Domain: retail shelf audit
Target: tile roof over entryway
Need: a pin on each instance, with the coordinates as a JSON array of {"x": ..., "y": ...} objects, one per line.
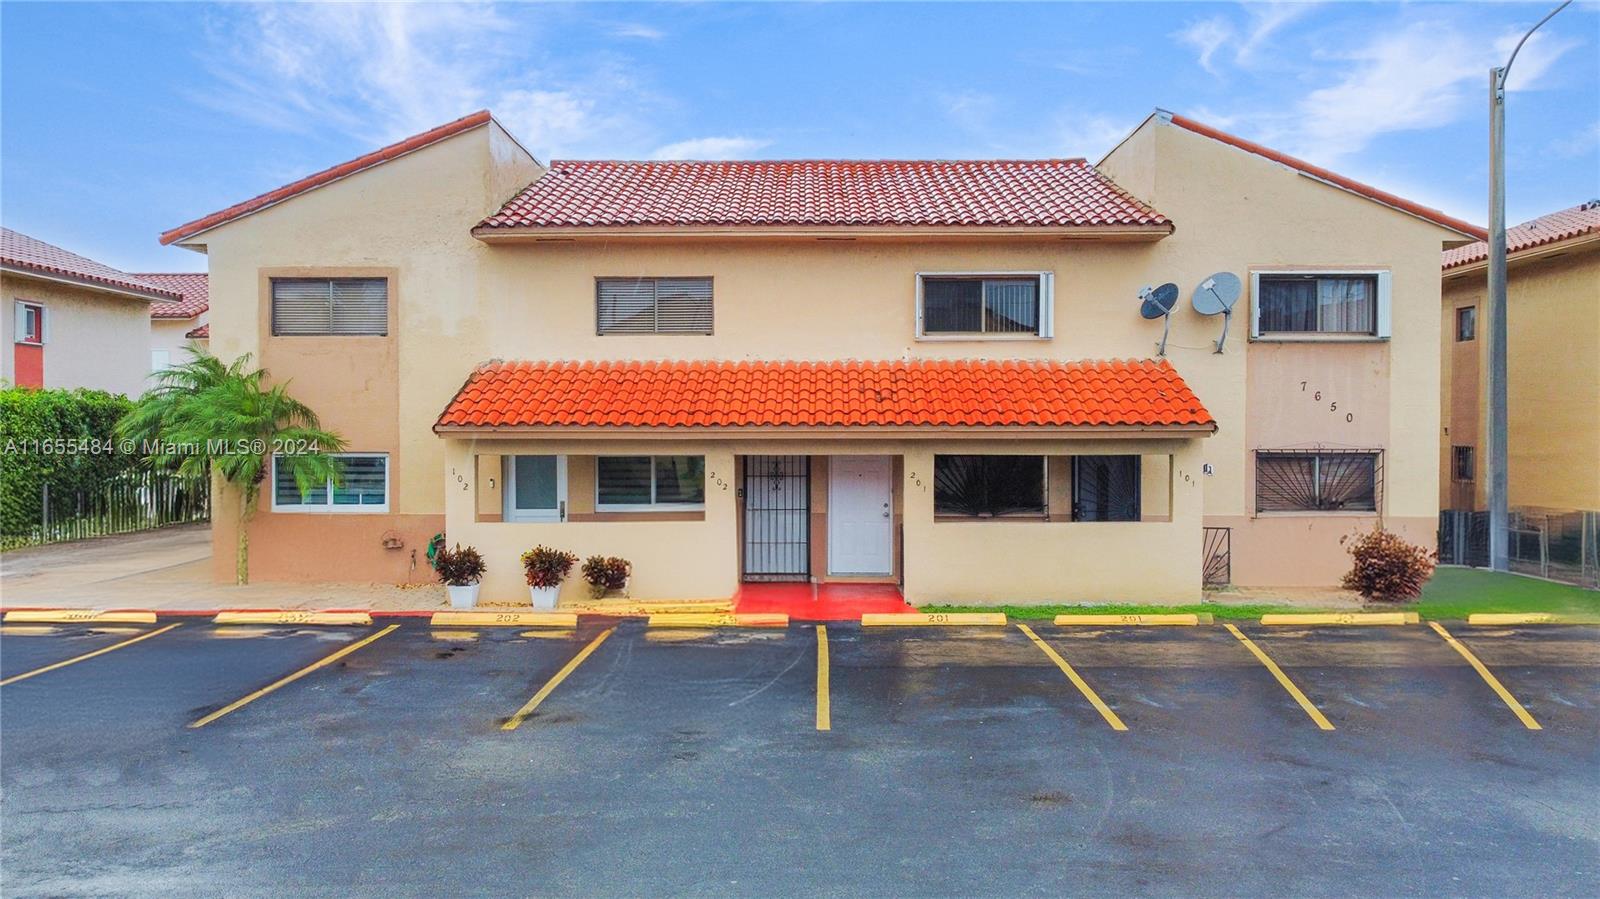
[
  {"x": 824, "y": 193},
  {"x": 931, "y": 393}
]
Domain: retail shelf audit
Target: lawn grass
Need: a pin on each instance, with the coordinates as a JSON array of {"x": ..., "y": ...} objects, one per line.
[{"x": 1453, "y": 593}]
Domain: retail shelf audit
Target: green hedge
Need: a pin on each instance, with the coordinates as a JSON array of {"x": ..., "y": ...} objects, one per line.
[{"x": 60, "y": 437}]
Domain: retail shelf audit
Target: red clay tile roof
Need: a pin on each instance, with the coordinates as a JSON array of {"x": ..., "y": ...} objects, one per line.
[
  {"x": 201, "y": 333},
  {"x": 30, "y": 255},
  {"x": 376, "y": 157},
  {"x": 1334, "y": 178},
  {"x": 830, "y": 193},
  {"x": 193, "y": 287},
  {"x": 824, "y": 394},
  {"x": 1547, "y": 229}
]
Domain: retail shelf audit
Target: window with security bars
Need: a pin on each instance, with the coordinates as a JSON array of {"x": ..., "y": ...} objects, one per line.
[
  {"x": 653, "y": 306},
  {"x": 1462, "y": 462},
  {"x": 363, "y": 486},
  {"x": 981, "y": 305},
  {"x": 989, "y": 486},
  {"x": 1105, "y": 488},
  {"x": 1317, "y": 481},
  {"x": 330, "y": 307}
]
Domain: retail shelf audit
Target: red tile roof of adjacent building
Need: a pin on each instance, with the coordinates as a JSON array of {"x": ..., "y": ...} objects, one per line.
[
  {"x": 201, "y": 333},
  {"x": 1334, "y": 178},
  {"x": 852, "y": 394},
  {"x": 30, "y": 255},
  {"x": 193, "y": 287},
  {"x": 1546, "y": 229},
  {"x": 310, "y": 182},
  {"x": 823, "y": 193}
]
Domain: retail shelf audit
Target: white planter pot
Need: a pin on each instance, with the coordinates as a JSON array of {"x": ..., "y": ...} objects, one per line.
[
  {"x": 463, "y": 597},
  {"x": 544, "y": 597}
]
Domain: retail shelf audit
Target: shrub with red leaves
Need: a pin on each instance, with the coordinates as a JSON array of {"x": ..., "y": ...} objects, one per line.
[{"x": 1386, "y": 567}]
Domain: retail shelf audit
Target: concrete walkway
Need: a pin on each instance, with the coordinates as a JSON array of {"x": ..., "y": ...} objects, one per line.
[{"x": 171, "y": 569}]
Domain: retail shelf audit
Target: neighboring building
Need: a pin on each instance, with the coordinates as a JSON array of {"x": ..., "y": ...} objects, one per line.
[
  {"x": 174, "y": 326},
  {"x": 72, "y": 321},
  {"x": 932, "y": 374},
  {"x": 1552, "y": 362}
]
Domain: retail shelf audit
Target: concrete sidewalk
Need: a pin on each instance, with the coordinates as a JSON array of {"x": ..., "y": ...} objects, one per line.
[{"x": 171, "y": 569}]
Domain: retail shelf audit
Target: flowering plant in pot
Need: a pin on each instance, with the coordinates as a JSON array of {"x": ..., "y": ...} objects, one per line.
[
  {"x": 546, "y": 568},
  {"x": 606, "y": 574},
  {"x": 460, "y": 570}
]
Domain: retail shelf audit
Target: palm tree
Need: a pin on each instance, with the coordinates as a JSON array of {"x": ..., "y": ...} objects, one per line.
[{"x": 205, "y": 415}]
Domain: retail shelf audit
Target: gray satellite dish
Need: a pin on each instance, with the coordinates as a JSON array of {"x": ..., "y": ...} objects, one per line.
[
  {"x": 1217, "y": 294},
  {"x": 1159, "y": 303}
]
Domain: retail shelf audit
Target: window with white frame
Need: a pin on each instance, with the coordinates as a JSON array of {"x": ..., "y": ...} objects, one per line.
[
  {"x": 1292, "y": 304},
  {"x": 649, "y": 483},
  {"x": 330, "y": 307},
  {"x": 1317, "y": 481},
  {"x": 535, "y": 488},
  {"x": 362, "y": 487},
  {"x": 30, "y": 323},
  {"x": 653, "y": 306},
  {"x": 984, "y": 306}
]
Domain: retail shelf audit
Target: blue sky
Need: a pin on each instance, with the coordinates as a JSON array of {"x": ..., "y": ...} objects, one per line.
[{"x": 120, "y": 120}]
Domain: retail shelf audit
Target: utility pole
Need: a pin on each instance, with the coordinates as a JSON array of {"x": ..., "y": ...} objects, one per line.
[{"x": 1496, "y": 464}]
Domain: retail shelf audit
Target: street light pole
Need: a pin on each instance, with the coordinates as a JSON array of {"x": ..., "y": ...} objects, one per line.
[{"x": 1496, "y": 464}]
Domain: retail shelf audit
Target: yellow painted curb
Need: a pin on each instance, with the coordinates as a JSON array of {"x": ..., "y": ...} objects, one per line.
[
  {"x": 1509, "y": 618},
  {"x": 1348, "y": 618},
  {"x": 504, "y": 619},
  {"x": 1118, "y": 620},
  {"x": 66, "y": 616},
  {"x": 719, "y": 619},
  {"x": 631, "y": 609},
  {"x": 294, "y": 616},
  {"x": 925, "y": 619}
]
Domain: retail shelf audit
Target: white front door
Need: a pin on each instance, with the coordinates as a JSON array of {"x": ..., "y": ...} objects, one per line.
[{"x": 860, "y": 517}]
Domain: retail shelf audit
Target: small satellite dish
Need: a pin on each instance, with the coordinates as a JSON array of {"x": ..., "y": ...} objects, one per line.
[
  {"x": 1159, "y": 303},
  {"x": 1217, "y": 294}
]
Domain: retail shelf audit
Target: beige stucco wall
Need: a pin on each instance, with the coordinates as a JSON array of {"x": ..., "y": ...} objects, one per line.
[
  {"x": 166, "y": 334},
  {"x": 96, "y": 339},
  {"x": 1552, "y": 385},
  {"x": 465, "y": 302}
]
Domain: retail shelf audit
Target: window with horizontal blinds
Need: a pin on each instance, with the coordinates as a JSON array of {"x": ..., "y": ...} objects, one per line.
[
  {"x": 637, "y": 483},
  {"x": 653, "y": 306},
  {"x": 979, "y": 306},
  {"x": 323, "y": 307},
  {"x": 362, "y": 486}
]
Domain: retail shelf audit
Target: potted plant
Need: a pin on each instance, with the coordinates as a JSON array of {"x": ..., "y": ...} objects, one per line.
[
  {"x": 606, "y": 574},
  {"x": 546, "y": 568},
  {"x": 460, "y": 570}
]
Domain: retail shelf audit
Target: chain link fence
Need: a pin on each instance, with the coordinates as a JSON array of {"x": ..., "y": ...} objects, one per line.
[{"x": 1557, "y": 544}]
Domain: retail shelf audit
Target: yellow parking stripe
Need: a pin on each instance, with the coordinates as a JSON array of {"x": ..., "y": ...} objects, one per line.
[
  {"x": 88, "y": 655},
  {"x": 1310, "y": 709},
  {"x": 285, "y": 681},
  {"x": 1488, "y": 678},
  {"x": 515, "y": 721},
  {"x": 824, "y": 706},
  {"x": 1080, "y": 683}
]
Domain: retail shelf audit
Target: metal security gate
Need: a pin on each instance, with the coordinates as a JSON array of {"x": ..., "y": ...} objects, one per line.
[{"x": 777, "y": 518}]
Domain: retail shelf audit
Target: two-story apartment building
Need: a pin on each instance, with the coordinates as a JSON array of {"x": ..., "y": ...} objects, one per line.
[{"x": 932, "y": 374}]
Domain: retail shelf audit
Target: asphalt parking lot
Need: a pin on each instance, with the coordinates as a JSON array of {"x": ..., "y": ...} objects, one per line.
[{"x": 616, "y": 759}]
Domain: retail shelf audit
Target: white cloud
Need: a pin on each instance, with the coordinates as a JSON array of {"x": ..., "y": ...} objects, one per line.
[
  {"x": 380, "y": 72},
  {"x": 1266, "y": 20},
  {"x": 1207, "y": 37},
  {"x": 711, "y": 148},
  {"x": 637, "y": 31},
  {"x": 1582, "y": 141}
]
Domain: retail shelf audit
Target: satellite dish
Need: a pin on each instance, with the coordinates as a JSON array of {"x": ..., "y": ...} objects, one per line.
[
  {"x": 1217, "y": 294},
  {"x": 1159, "y": 303}
]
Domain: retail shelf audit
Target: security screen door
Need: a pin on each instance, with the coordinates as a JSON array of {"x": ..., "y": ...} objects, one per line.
[{"x": 777, "y": 518}]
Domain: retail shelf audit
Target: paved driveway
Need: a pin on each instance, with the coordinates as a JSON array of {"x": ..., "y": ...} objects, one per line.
[{"x": 955, "y": 761}]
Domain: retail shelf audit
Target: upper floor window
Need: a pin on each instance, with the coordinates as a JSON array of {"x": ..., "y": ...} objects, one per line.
[
  {"x": 1463, "y": 465},
  {"x": 1289, "y": 304},
  {"x": 653, "y": 306},
  {"x": 1316, "y": 481},
  {"x": 1010, "y": 304},
  {"x": 30, "y": 323},
  {"x": 1466, "y": 323},
  {"x": 320, "y": 307},
  {"x": 364, "y": 486},
  {"x": 644, "y": 483}
]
